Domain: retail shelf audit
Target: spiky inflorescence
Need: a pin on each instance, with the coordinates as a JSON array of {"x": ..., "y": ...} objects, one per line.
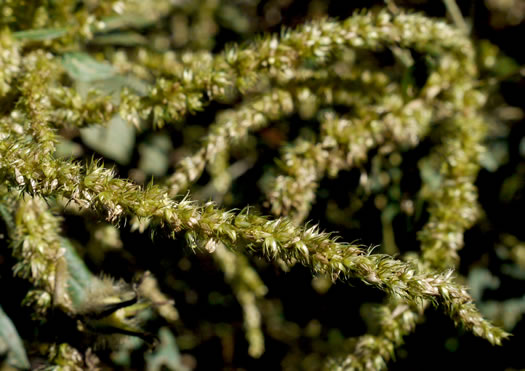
[
  {"x": 453, "y": 209},
  {"x": 272, "y": 76},
  {"x": 36, "y": 242},
  {"x": 247, "y": 287},
  {"x": 96, "y": 188}
]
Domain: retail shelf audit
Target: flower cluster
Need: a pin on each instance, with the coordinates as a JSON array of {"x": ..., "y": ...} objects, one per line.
[{"x": 47, "y": 92}]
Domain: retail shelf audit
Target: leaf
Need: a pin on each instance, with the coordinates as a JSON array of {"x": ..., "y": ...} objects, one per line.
[
  {"x": 41, "y": 34},
  {"x": 89, "y": 74},
  {"x": 6, "y": 215},
  {"x": 127, "y": 21},
  {"x": 154, "y": 159},
  {"x": 115, "y": 141},
  {"x": 496, "y": 155},
  {"x": 76, "y": 267},
  {"x": 480, "y": 279},
  {"x": 82, "y": 67},
  {"x": 68, "y": 149},
  {"x": 507, "y": 312},
  {"x": 11, "y": 342},
  {"x": 120, "y": 38},
  {"x": 79, "y": 275},
  {"x": 167, "y": 354},
  {"x": 429, "y": 174},
  {"x": 139, "y": 86}
]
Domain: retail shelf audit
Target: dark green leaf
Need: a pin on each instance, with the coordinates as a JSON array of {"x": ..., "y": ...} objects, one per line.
[
  {"x": 115, "y": 141},
  {"x": 41, "y": 34},
  {"x": 120, "y": 38},
  {"x": 82, "y": 67},
  {"x": 10, "y": 340},
  {"x": 154, "y": 159},
  {"x": 79, "y": 275},
  {"x": 5, "y": 214},
  {"x": 167, "y": 354}
]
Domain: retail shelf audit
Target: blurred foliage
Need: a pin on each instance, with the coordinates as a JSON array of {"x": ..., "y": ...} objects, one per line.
[
  {"x": 398, "y": 124},
  {"x": 11, "y": 346}
]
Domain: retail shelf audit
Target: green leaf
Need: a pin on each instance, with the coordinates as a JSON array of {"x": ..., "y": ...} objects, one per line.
[
  {"x": 480, "y": 279},
  {"x": 41, "y": 34},
  {"x": 507, "y": 312},
  {"x": 80, "y": 276},
  {"x": 68, "y": 149},
  {"x": 496, "y": 155},
  {"x": 430, "y": 175},
  {"x": 75, "y": 265},
  {"x": 82, "y": 67},
  {"x": 127, "y": 21},
  {"x": 115, "y": 141},
  {"x": 154, "y": 159},
  {"x": 6, "y": 215},
  {"x": 120, "y": 38},
  {"x": 167, "y": 354},
  {"x": 10, "y": 342}
]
